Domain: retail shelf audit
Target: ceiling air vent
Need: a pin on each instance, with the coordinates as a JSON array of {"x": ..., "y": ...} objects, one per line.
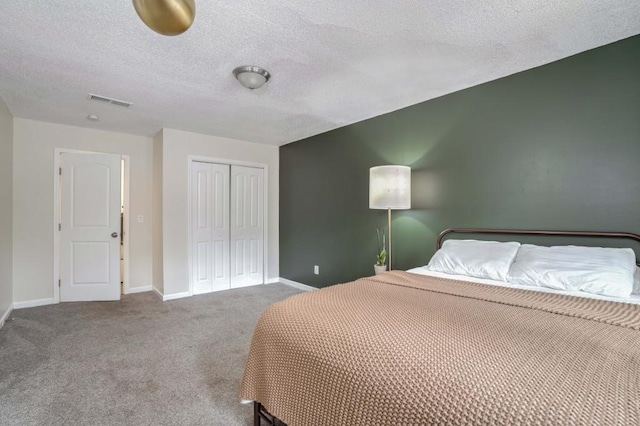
[{"x": 105, "y": 100}]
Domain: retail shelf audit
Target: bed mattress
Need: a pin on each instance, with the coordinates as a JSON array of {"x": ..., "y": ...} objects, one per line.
[{"x": 634, "y": 298}]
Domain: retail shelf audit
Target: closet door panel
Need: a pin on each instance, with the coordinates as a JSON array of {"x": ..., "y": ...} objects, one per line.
[
  {"x": 210, "y": 227},
  {"x": 221, "y": 226},
  {"x": 201, "y": 227},
  {"x": 247, "y": 226}
]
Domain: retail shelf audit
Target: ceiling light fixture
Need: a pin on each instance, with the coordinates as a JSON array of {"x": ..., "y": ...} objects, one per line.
[
  {"x": 166, "y": 17},
  {"x": 93, "y": 117},
  {"x": 251, "y": 77}
]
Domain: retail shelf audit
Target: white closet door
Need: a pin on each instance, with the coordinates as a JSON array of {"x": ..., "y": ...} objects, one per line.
[
  {"x": 210, "y": 224},
  {"x": 90, "y": 227},
  {"x": 247, "y": 226}
]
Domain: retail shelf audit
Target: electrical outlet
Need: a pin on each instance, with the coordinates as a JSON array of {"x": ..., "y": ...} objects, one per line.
[
  {"x": 316, "y": 269},
  {"x": 140, "y": 218}
]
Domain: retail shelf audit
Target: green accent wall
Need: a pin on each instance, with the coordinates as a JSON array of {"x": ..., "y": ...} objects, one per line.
[{"x": 555, "y": 147}]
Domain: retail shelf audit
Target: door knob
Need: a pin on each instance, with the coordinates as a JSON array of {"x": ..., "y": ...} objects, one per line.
[{"x": 114, "y": 234}]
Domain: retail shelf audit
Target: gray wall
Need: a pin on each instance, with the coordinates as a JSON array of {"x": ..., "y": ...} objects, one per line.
[
  {"x": 556, "y": 147},
  {"x": 6, "y": 208}
]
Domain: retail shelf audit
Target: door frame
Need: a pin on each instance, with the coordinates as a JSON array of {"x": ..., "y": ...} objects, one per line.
[
  {"x": 265, "y": 241},
  {"x": 57, "y": 192}
]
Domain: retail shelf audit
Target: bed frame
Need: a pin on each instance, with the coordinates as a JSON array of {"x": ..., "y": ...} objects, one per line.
[
  {"x": 626, "y": 235},
  {"x": 261, "y": 417}
]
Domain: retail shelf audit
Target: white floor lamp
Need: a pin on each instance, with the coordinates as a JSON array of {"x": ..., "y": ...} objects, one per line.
[{"x": 390, "y": 189}]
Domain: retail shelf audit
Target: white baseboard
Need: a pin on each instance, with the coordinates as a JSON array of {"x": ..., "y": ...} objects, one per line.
[
  {"x": 296, "y": 284},
  {"x": 157, "y": 292},
  {"x": 139, "y": 289},
  {"x": 5, "y": 316},
  {"x": 32, "y": 303},
  {"x": 173, "y": 296}
]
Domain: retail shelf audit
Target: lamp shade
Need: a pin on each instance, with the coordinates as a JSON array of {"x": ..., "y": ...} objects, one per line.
[{"x": 390, "y": 187}]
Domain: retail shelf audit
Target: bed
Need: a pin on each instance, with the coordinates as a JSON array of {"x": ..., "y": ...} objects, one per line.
[{"x": 425, "y": 347}]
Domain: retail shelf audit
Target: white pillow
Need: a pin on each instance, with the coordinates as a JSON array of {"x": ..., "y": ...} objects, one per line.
[
  {"x": 597, "y": 270},
  {"x": 481, "y": 259},
  {"x": 636, "y": 282}
]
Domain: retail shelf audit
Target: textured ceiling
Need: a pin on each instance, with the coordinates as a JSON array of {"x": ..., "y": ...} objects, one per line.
[{"x": 333, "y": 62}]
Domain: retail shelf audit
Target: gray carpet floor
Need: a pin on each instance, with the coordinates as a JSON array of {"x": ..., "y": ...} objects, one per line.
[{"x": 138, "y": 361}]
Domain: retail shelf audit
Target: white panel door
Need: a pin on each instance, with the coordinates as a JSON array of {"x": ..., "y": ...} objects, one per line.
[
  {"x": 90, "y": 227},
  {"x": 247, "y": 226},
  {"x": 210, "y": 227}
]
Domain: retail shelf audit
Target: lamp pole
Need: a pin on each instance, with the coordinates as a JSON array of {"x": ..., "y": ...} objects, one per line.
[{"x": 389, "y": 227}]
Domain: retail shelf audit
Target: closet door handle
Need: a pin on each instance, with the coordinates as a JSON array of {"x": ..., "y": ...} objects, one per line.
[{"x": 114, "y": 235}]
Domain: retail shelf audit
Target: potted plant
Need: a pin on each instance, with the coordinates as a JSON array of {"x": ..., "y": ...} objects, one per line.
[{"x": 381, "y": 258}]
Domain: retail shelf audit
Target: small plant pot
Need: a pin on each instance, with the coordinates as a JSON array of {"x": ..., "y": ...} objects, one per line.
[{"x": 379, "y": 269}]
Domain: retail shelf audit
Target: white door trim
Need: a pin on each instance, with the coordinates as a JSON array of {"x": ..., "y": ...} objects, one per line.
[
  {"x": 57, "y": 155},
  {"x": 126, "y": 216},
  {"x": 265, "y": 168}
]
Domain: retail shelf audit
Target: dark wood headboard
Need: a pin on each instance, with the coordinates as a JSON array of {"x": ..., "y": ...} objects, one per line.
[{"x": 627, "y": 235}]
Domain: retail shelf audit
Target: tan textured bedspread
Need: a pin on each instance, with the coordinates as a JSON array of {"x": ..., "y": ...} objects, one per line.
[{"x": 404, "y": 349}]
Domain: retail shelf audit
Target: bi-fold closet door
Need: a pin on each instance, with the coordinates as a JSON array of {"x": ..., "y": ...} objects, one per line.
[{"x": 227, "y": 208}]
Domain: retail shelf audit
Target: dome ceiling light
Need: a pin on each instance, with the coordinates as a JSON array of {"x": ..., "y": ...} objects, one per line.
[
  {"x": 251, "y": 77},
  {"x": 166, "y": 17}
]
